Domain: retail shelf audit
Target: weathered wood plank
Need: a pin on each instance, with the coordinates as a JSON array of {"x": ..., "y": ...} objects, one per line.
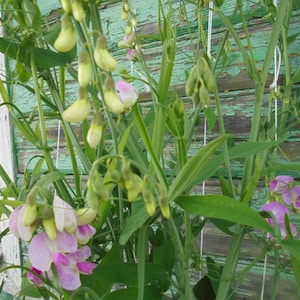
[{"x": 9, "y": 245}]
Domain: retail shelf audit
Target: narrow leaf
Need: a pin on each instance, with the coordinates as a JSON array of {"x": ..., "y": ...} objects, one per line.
[
  {"x": 193, "y": 167},
  {"x": 225, "y": 208},
  {"x": 138, "y": 217}
]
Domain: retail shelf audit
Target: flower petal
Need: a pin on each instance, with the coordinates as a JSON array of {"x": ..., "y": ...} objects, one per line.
[
  {"x": 81, "y": 254},
  {"x": 68, "y": 277},
  {"x": 64, "y": 215},
  {"x": 127, "y": 93},
  {"x": 86, "y": 267},
  {"x": 66, "y": 242},
  {"x": 84, "y": 233},
  {"x": 25, "y": 232},
  {"x": 40, "y": 251},
  {"x": 281, "y": 184}
]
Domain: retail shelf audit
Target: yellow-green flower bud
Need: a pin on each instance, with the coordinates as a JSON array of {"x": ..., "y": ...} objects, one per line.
[
  {"x": 95, "y": 131},
  {"x": 80, "y": 109},
  {"x": 50, "y": 228},
  {"x": 111, "y": 99},
  {"x": 84, "y": 68},
  {"x": 133, "y": 21},
  {"x": 49, "y": 223},
  {"x": 149, "y": 202},
  {"x": 29, "y": 214},
  {"x": 191, "y": 82},
  {"x": 195, "y": 98},
  {"x": 164, "y": 207},
  {"x": 86, "y": 215},
  {"x": 66, "y": 5},
  {"x": 126, "y": 6},
  {"x": 67, "y": 37},
  {"x": 134, "y": 187},
  {"x": 204, "y": 95},
  {"x": 124, "y": 15},
  {"x": 77, "y": 10},
  {"x": 102, "y": 57}
]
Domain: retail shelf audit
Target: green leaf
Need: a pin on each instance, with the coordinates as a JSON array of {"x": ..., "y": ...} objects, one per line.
[
  {"x": 210, "y": 116},
  {"x": 240, "y": 151},
  {"x": 292, "y": 247},
  {"x": 50, "y": 178},
  {"x": 150, "y": 293},
  {"x": 203, "y": 289},
  {"x": 138, "y": 217},
  {"x": 8, "y": 182},
  {"x": 165, "y": 254},
  {"x": 126, "y": 273},
  {"x": 123, "y": 141},
  {"x": 296, "y": 76},
  {"x": 296, "y": 269},
  {"x": 185, "y": 178},
  {"x": 225, "y": 208},
  {"x": 44, "y": 58}
]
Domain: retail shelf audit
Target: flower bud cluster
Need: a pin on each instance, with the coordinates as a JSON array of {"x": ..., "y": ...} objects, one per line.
[
  {"x": 201, "y": 82},
  {"x": 121, "y": 101},
  {"x": 57, "y": 232},
  {"x": 285, "y": 195},
  {"x": 136, "y": 187},
  {"x": 130, "y": 39},
  {"x": 176, "y": 117},
  {"x": 125, "y": 178}
]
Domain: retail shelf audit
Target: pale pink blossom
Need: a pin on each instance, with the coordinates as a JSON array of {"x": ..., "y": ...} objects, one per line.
[
  {"x": 279, "y": 211},
  {"x": 281, "y": 184},
  {"x": 16, "y": 224},
  {"x": 37, "y": 276},
  {"x": 64, "y": 215},
  {"x": 70, "y": 266},
  {"x": 84, "y": 233},
  {"x": 292, "y": 195},
  {"x": 127, "y": 93},
  {"x": 69, "y": 261}
]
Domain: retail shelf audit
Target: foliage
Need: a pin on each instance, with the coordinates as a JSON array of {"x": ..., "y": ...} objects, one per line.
[{"x": 139, "y": 203}]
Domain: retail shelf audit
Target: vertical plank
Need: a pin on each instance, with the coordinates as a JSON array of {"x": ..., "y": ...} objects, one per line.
[{"x": 9, "y": 245}]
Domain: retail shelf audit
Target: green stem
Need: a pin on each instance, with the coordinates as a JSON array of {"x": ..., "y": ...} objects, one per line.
[
  {"x": 230, "y": 265},
  {"x": 72, "y": 155},
  {"x": 142, "y": 256},
  {"x": 234, "y": 250},
  {"x": 61, "y": 188},
  {"x": 287, "y": 84},
  {"x": 259, "y": 90},
  {"x": 181, "y": 265},
  {"x": 225, "y": 147},
  {"x": 146, "y": 140},
  {"x": 67, "y": 127}
]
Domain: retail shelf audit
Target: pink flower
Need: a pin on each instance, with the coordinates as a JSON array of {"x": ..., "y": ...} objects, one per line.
[
  {"x": 16, "y": 224},
  {"x": 69, "y": 261},
  {"x": 84, "y": 233},
  {"x": 132, "y": 55},
  {"x": 127, "y": 93},
  {"x": 64, "y": 215},
  {"x": 36, "y": 279},
  {"x": 42, "y": 249},
  {"x": 292, "y": 195},
  {"x": 279, "y": 211},
  {"x": 69, "y": 266},
  {"x": 281, "y": 184}
]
